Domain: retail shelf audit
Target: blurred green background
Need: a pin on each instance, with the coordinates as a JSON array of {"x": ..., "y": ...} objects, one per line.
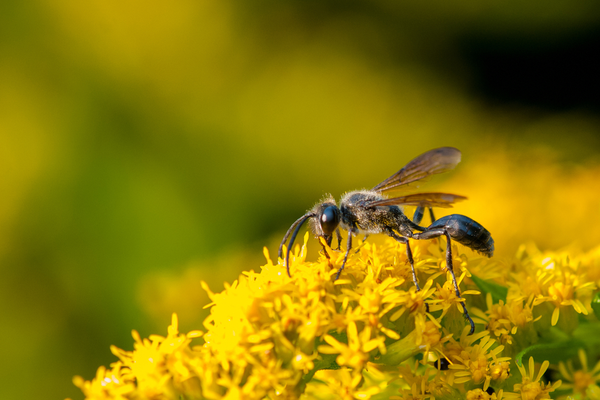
[{"x": 146, "y": 146}]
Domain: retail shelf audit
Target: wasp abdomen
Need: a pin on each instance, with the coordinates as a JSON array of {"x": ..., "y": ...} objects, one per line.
[{"x": 467, "y": 232}]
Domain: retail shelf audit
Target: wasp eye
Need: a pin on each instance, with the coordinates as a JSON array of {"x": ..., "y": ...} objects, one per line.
[{"x": 330, "y": 219}]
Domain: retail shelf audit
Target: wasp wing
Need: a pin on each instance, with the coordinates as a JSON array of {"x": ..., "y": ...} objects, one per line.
[
  {"x": 443, "y": 200},
  {"x": 433, "y": 162}
]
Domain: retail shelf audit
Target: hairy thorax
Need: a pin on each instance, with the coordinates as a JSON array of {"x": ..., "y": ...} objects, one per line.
[{"x": 357, "y": 215}]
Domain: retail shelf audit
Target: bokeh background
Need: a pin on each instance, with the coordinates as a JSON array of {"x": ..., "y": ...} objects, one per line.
[{"x": 146, "y": 146}]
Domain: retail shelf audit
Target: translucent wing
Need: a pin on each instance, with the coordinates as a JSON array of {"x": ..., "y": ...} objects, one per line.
[
  {"x": 443, "y": 200},
  {"x": 433, "y": 162}
]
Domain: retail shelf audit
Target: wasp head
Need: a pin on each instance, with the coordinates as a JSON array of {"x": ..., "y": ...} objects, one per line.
[{"x": 324, "y": 219}]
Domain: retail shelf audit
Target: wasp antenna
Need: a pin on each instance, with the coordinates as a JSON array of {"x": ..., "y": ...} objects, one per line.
[
  {"x": 298, "y": 225},
  {"x": 289, "y": 231}
]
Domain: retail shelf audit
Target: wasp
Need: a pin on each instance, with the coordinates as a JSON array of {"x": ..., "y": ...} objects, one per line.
[{"x": 372, "y": 212}]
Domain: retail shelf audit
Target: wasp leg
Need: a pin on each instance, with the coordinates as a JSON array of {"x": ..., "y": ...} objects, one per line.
[
  {"x": 419, "y": 212},
  {"x": 338, "y": 235},
  {"x": 409, "y": 255},
  {"x": 430, "y": 234},
  {"x": 431, "y": 215},
  {"x": 404, "y": 240},
  {"x": 363, "y": 242},
  {"x": 348, "y": 247},
  {"x": 418, "y": 215}
]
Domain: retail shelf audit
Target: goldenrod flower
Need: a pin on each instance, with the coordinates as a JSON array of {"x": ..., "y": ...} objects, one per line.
[
  {"x": 579, "y": 380},
  {"x": 552, "y": 277},
  {"x": 421, "y": 383},
  {"x": 479, "y": 394},
  {"x": 355, "y": 354},
  {"x": 503, "y": 320},
  {"x": 472, "y": 361},
  {"x": 340, "y": 384},
  {"x": 445, "y": 299},
  {"x": 157, "y": 366},
  {"x": 531, "y": 387},
  {"x": 107, "y": 384},
  {"x": 368, "y": 333}
]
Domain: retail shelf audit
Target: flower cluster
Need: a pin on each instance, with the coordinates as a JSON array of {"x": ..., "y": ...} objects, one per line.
[{"x": 372, "y": 334}]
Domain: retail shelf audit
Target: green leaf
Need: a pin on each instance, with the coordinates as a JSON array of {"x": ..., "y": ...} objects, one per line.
[
  {"x": 588, "y": 334},
  {"x": 553, "y": 352},
  {"x": 325, "y": 361},
  {"x": 498, "y": 292}
]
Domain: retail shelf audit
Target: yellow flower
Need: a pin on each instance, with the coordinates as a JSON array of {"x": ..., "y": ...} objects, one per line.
[
  {"x": 499, "y": 370},
  {"x": 371, "y": 301},
  {"x": 556, "y": 278},
  {"x": 417, "y": 384},
  {"x": 445, "y": 297},
  {"x": 340, "y": 384},
  {"x": 356, "y": 353},
  {"x": 579, "y": 380},
  {"x": 472, "y": 361},
  {"x": 157, "y": 366},
  {"x": 503, "y": 320},
  {"x": 479, "y": 394},
  {"x": 108, "y": 384},
  {"x": 530, "y": 387},
  {"x": 272, "y": 336}
]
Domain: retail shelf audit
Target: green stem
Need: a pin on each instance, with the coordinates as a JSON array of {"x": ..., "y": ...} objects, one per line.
[{"x": 401, "y": 350}]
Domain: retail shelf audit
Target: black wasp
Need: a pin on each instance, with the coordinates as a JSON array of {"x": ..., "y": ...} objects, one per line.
[{"x": 369, "y": 211}]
